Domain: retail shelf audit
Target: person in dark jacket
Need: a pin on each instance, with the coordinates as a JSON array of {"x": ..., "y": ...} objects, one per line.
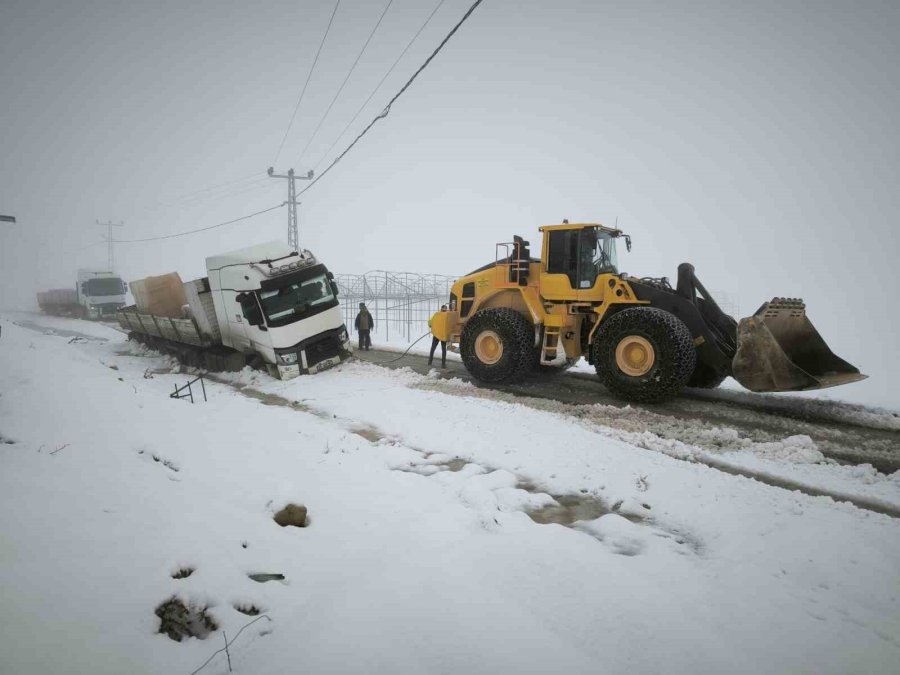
[
  {"x": 434, "y": 344},
  {"x": 364, "y": 324}
]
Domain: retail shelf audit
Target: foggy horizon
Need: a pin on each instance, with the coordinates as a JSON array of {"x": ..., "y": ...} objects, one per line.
[{"x": 757, "y": 141}]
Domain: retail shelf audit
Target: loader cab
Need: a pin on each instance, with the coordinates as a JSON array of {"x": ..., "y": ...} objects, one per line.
[{"x": 576, "y": 260}]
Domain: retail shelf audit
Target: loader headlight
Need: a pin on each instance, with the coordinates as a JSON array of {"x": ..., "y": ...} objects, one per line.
[{"x": 287, "y": 358}]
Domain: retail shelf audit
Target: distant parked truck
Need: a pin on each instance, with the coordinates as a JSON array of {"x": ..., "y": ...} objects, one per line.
[
  {"x": 100, "y": 294},
  {"x": 262, "y": 305},
  {"x": 59, "y": 301}
]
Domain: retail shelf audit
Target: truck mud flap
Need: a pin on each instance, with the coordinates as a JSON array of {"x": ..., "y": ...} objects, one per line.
[{"x": 778, "y": 349}]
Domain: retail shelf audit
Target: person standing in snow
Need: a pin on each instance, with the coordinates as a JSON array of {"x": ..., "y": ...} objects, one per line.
[
  {"x": 364, "y": 324},
  {"x": 434, "y": 344}
]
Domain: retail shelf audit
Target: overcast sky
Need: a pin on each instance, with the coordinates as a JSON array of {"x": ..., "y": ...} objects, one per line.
[{"x": 757, "y": 140}]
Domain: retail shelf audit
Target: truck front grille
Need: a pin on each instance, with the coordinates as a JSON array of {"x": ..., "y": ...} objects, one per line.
[{"x": 323, "y": 349}]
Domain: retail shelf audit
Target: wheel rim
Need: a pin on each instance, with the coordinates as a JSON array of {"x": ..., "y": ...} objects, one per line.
[
  {"x": 635, "y": 355},
  {"x": 488, "y": 347}
]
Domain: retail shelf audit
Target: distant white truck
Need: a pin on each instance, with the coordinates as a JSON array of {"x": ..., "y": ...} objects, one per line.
[
  {"x": 99, "y": 294},
  {"x": 260, "y": 305}
]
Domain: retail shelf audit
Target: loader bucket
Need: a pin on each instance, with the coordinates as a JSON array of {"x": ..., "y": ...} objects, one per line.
[{"x": 778, "y": 349}]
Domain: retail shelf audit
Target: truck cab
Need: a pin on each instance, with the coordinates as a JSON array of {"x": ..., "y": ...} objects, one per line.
[
  {"x": 99, "y": 293},
  {"x": 281, "y": 305}
]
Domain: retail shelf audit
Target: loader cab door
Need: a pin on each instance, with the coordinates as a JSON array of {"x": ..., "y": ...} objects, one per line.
[{"x": 571, "y": 266}]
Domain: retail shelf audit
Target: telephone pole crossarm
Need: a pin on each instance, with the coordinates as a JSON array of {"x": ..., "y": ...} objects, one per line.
[
  {"x": 109, "y": 225},
  {"x": 292, "y": 204}
]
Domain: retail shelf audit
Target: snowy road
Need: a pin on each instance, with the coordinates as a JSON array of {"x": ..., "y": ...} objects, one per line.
[
  {"x": 712, "y": 420},
  {"x": 452, "y": 529}
]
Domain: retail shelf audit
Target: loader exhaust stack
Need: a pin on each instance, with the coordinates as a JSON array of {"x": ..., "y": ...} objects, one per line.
[{"x": 780, "y": 350}]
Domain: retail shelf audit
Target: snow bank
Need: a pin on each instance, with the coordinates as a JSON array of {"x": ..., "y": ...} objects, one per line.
[{"x": 419, "y": 555}]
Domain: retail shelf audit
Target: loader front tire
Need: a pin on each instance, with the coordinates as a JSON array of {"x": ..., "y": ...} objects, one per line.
[
  {"x": 497, "y": 345},
  {"x": 705, "y": 377},
  {"x": 644, "y": 354}
]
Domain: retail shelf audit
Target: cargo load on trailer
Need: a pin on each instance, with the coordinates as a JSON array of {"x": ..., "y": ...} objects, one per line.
[
  {"x": 264, "y": 305},
  {"x": 59, "y": 301},
  {"x": 645, "y": 338},
  {"x": 161, "y": 295}
]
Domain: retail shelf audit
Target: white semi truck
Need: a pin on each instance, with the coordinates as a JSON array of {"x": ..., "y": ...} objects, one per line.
[
  {"x": 262, "y": 305},
  {"x": 99, "y": 294}
]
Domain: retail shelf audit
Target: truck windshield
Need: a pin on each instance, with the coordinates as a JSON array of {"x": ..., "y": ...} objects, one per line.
[
  {"x": 104, "y": 286},
  {"x": 293, "y": 301}
]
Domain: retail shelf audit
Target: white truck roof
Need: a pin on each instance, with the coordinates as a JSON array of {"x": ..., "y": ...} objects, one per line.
[{"x": 266, "y": 251}]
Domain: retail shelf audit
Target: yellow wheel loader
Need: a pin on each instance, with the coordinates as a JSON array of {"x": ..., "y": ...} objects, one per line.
[{"x": 646, "y": 339}]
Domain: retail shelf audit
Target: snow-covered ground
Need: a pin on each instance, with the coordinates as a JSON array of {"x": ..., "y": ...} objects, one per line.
[{"x": 420, "y": 555}]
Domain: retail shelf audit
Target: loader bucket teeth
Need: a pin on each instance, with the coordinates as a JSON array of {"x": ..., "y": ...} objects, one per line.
[{"x": 780, "y": 350}]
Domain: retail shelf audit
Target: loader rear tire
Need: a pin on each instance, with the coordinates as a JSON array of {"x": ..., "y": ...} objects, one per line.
[
  {"x": 497, "y": 345},
  {"x": 664, "y": 354},
  {"x": 705, "y": 377}
]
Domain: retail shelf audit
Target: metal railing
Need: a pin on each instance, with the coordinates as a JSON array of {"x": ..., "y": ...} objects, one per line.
[{"x": 185, "y": 390}]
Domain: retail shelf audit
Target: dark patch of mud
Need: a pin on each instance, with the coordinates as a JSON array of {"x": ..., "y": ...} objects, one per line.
[
  {"x": 263, "y": 577},
  {"x": 569, "y": 509},
  {"x": 248, "y": 609},
  {"x": 179, "y": 620},
  {"x": 183, "y": 572}
]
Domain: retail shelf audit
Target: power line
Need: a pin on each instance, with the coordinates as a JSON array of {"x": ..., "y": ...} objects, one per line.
[
  {"x": 387, "y": 109},
  {"x": 378, "y": 86},
  {"x": 305, "y": 84},
  {"x": 344, "y": 83},
  {"x": 201, "y": 229},
  {"x": 181, "y": 197}
]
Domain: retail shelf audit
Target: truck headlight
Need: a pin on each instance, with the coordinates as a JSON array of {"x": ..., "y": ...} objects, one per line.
[
  {"x": 342, "y": 336},
  {"x": 288, "y": 358}
]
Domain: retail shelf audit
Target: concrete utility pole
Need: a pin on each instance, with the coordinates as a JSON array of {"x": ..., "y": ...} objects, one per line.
[
  {"x": 292, "y": 203},
  {"x": 109, "y": 240}
]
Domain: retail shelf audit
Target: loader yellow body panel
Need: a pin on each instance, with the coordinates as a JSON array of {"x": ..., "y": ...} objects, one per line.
[{"x": 575, "y": 287}]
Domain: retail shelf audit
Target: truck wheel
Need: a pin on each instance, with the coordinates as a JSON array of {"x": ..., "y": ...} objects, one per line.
[
  {"x": 497, "y": 345},
  {"x": 705, "y": 377},
  {"x": 644, "y": 354}
]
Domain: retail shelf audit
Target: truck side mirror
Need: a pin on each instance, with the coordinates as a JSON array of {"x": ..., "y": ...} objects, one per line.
[
  {"x": 628, "y": 243},
  {"x": 334, "y": 288}
]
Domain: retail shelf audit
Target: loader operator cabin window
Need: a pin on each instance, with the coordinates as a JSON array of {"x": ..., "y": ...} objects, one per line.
[
  {"x": 581, "y": 255},
  {"x": 294, "y": 301}
]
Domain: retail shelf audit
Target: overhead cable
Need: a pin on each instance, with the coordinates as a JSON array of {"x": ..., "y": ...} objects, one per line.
[
  {"x": 381, "y": 82},
  {"x": 387, "y": 109},
  {"x": 344, "y": 83},
  {"x": 305, "y": 84},
  {"x": 200, "y": 229}
]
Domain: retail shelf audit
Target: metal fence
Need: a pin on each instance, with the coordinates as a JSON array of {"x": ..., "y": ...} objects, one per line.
[{"x": 400, "y": 302}]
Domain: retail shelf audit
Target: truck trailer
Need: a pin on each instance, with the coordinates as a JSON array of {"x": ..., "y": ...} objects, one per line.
[
  {"x": 59, "y": 302},
  {"x": 99, "y": 293},
  {"x": 265, "y": 305}
]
